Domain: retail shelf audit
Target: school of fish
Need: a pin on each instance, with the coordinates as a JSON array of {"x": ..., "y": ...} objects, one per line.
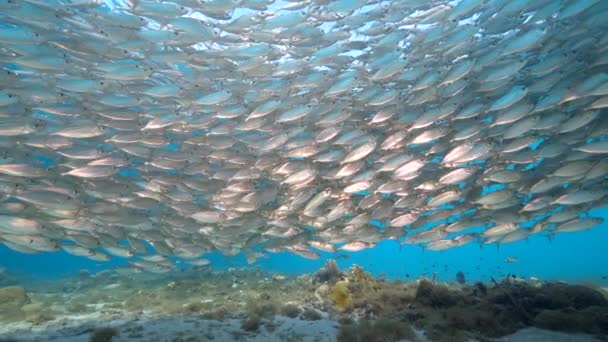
[{"x": 306, "y": 126}]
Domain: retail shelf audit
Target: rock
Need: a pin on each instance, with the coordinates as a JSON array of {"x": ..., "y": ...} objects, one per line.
[
  {"x": 37, "y": 313},
  {"x": 321, "y": 293},
  {"x": 34, "y": 308},
  {"x": 12, "y": 295},
  {"x": 12, "y": 299}
]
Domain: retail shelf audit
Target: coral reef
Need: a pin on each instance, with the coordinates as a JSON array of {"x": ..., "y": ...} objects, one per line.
[
  {"x": 368, "y": 309},
  {"x": 459, "y": 312}
]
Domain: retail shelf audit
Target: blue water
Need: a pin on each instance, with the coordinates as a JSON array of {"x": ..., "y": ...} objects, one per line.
[{"x": 574, "y": 257}]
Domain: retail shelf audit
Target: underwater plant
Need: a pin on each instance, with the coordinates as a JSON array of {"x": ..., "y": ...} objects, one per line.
[
  {"x": 460, "y": 279},
  {"x": 105, "y": 334},
  {"x": 290, "y": 310},
  {"x": 379, "y": 330},
  {"x": 360, "y": 276},
  {"x": 340, "y": 295},
  {"x": 257, "y": 310},
  {"x": 328, "y": 274}
]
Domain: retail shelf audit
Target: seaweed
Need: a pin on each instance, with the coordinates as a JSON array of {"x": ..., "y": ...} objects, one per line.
[
  {"x": 460, "y": 279},
  {"x": 311, "y": 315},
  {"x": 340, "y": 295},
  {"x": 515, "y": 301},
  {"x": 103, "y": 334},
  {"x": 251, "y": 323},
  {"x": 329, "y": 274},
  {"x": 378, "y": 330},
  {"x": 435, "y": 295},
  {"x": 257, "y": 310},
  {"x": 290, "y": 310}
]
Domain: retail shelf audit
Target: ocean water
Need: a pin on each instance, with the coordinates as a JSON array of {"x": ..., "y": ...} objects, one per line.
[
  {"x": 192, "y": 170},
  {"x": 576, "y": 257}
]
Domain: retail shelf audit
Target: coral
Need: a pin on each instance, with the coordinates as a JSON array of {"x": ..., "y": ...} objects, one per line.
[
  {"x": 340, "y": 295},
  {"x": 379, "y": 330},
  {"x": 103, "y": 335}
]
